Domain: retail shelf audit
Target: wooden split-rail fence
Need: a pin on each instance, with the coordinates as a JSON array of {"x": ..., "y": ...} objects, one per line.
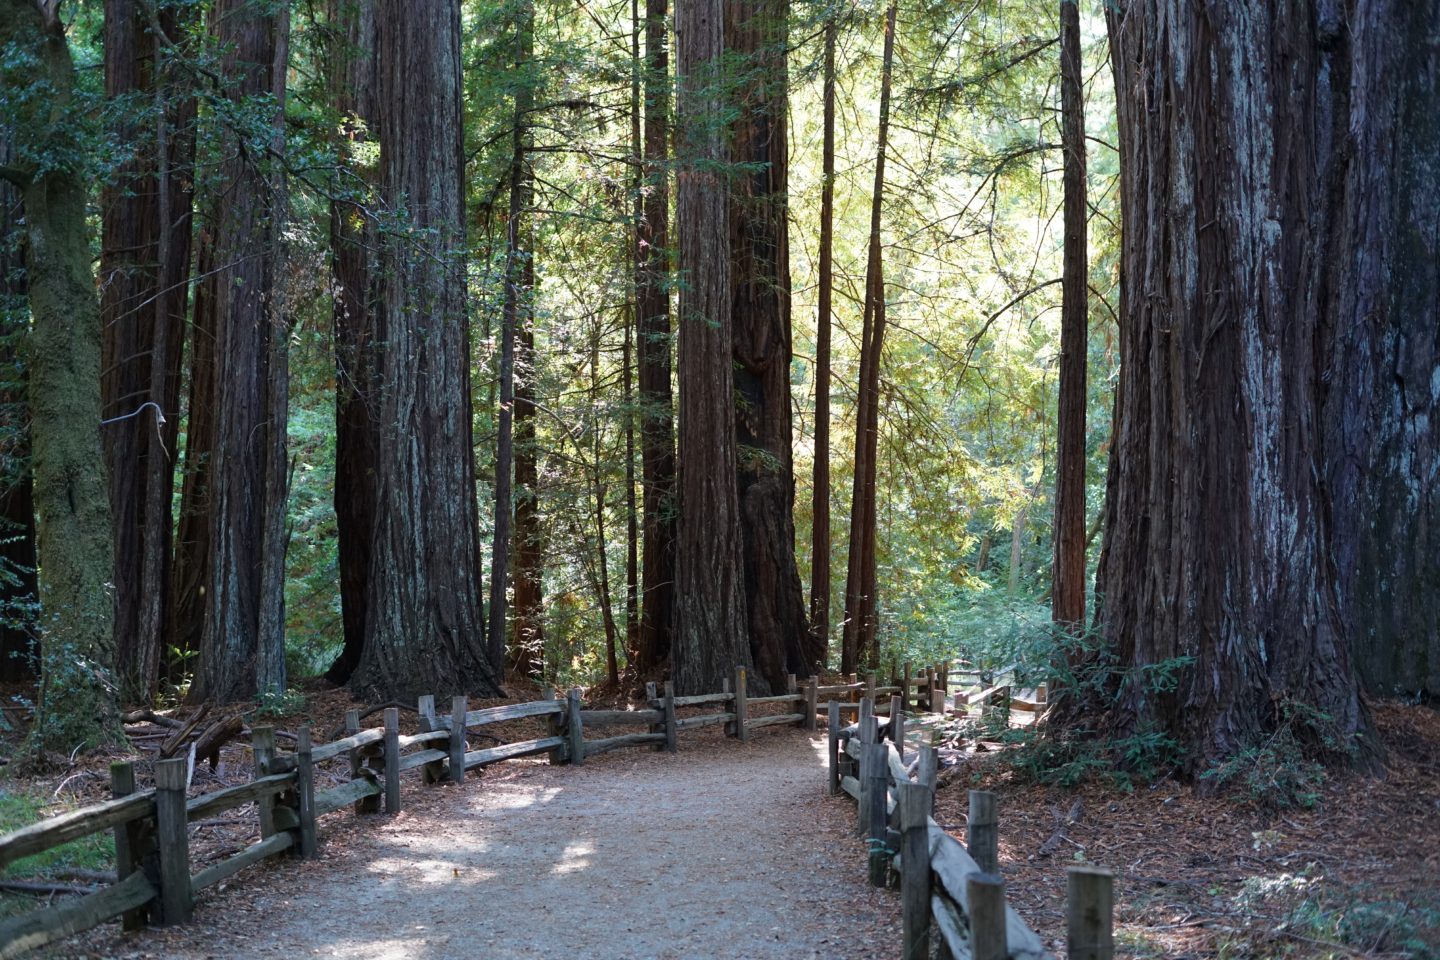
[
  {"x": 154, "y": 882},
  {"x": 946, "y": 886}
]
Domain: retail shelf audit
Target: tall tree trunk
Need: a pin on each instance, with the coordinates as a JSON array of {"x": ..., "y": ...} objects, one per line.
[
  {"x": 820, "y": 502},
  {"x": 242, "y": 640},
  {"x": 781, "y": 641},
  {"x": 632, "y": 317},
  {"x": 425, "y": 631},
  {"x": 1068, "y": 575},
  {"x": 710, "y": 620},
  {"x": 858, "y": 639},
  {"x": 602, "y": 550},
  {"x": 1382, "y": 407},
  {"x": 144, "y": 268},
  {"x": 529, "y": 644},
  {"x": 1238, "y": 192},
  {"x": 652, "y": 304},
  {"x": 76, "y": 705},
  {"x": 352, "y": 243},
  {"x": 517, "y": 300},
  {"x": 18, "y": 586}
]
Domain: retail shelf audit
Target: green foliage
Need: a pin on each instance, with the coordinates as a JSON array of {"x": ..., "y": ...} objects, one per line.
[
  {"x": 18, "y": 809},
  {"x": 1281, "y": 771},
  {"x": 1309, "y": 910},
  {"x": 281, "y": 704}
]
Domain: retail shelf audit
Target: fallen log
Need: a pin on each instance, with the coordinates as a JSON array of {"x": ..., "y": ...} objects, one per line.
[{"x": 215, "y": 736}]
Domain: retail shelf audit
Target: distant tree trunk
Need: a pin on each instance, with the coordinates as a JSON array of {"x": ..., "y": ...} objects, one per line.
[
  {"x": 425, "y": 631},
  {"x": 1017, "y": 541},
  {"x": 652, "y": 304},
  {"x": 1382, "y": 405},
  {"x": 144, "y": 268},
  {"x": 1068, "y": 575},
  {"x": 76, "y": 704},
  {"x": 820, "y": 503},
  {"x": 18, "y": 586},
  {"x": 351, "y": 67},
  {"x": 859, "y": 636},
  {"x": 529, "y": 642},
  {"x": 632, "y": 317},
  {"x": 517, "y": 300},
  {"x": 632, "y": 513},
  {"x": 190, "y": 572},
  {"x": 1245, "y": 187},
  {"x": 242, "y": 640},
  {"x": 781, "y": 641},
  {"x": 710, "y": 619}
]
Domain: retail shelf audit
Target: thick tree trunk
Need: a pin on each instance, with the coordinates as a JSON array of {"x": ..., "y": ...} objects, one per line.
[
  {"x": 859, "y": 638},
  {"x": 710, "y": 610},
  {"x": 425, "y": 632},
  {"x": 77, "y": 704},
  {"x": 352, "y": 243},
  {"x": 1382, "y": 406},
  {"x": 657, "y": 417},
  {"x": 781, "y": 641},
  {"x": 1068, "y": 574},
  {"x": 144, "y": 268},
  {"x": 1237, "y": 182},
  {"x": 517, "y": 301},
  {"x": 820, "y": 502},
  {"x": 18, "y": 586},
  {"x": 242, "y": 640}
]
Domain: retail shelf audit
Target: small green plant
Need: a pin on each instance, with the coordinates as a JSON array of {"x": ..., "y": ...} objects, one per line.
[
  {"x": 278, "y": 703},
  {"x": 1308, "y": 910},
  {"x": 1279, "y": 772}
]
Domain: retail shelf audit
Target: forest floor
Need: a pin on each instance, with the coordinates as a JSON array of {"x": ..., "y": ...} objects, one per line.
[
  {"x": 734, "y": 850},
  {"x": 1200, "y": 876}
]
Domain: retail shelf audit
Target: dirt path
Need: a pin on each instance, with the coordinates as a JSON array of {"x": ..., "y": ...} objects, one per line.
[{"x": 723, "y": 850}]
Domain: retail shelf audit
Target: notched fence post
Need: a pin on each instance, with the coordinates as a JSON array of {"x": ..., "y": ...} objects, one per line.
[
  {"x": 172, "y": 834},
  {"x": 134, "y": 843}
]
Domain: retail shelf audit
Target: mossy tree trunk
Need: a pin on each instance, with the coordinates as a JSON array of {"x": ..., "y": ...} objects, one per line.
[{"x": 77, "y": 701}]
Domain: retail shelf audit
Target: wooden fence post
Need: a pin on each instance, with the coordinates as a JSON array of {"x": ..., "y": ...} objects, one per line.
[
  {"x": 897, "y": 725},
  {"x": 928, "y": 771},
  {"x": 982, "y": 837},
  {"x": 130, "y": 840},
  {"x": 870, "y": 684},
  {"x": 740, "y": 704},
  {"x": 812, "y": 702},
  {"x": 1089, "y": 909},
  {"x": 790, "y": 684},
  {"x": 172, "y": 834},
  {"x": 671, "y": 730},
  {"x": 914, "y": 806},
  {"x": 305, "y": 792},
  {"x": 877, "y": 818},
  {"x": 652, "y": 702},
  {"x": 905, "y": 681},
  {"x": 555, "y": 724},
  {"x": 832, "y": 720},
  {"x": 392, "y": 760},
  {"x": 869, "y": 723},
  {"x": 459, "y": 706},
  {"x": 574, "y": 727},
  {"x": 988, "y": 938},
  {"x": 360, "y": 764},
  {"x": 262, "y": 748},
  {"x": 434, "y": 771}
]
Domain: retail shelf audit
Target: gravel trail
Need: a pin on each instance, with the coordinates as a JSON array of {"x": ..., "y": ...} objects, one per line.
[{"x": 722, "y": 850}]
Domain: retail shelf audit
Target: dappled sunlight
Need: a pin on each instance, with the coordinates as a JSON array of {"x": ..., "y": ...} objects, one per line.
[{"x": 575, "y": 857}]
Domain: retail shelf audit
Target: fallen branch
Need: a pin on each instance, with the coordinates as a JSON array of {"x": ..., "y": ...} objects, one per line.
[
  {"x": 49, "y": 889},
  {"x": 170, "y": 747}
]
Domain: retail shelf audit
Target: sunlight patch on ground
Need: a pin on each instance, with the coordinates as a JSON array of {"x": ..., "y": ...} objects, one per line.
[{"x": 575, "y": 857}]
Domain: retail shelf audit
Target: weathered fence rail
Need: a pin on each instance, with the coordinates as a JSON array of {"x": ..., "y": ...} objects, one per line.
[
  {"x": 151, "y": 827},
  {"x": 952, "y": 888}
]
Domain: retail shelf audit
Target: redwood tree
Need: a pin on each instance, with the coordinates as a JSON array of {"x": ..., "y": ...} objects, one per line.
[
  {"x": 1068, "y": 577},
  {"x": 858, "y": 639},
  {"x": 1280, "y": 272},
  {"x": 425, "y": 632},
  {"x": 781, "y": 641},
  {"x": 820, "y": 503},
  {"x": 144, "y": 269},
  {"x": 351, "y": 66},
  {"x": 710, "y": 618},
  {"x": 242, "y": 640},
  {"x": 653, "y": 335}
]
